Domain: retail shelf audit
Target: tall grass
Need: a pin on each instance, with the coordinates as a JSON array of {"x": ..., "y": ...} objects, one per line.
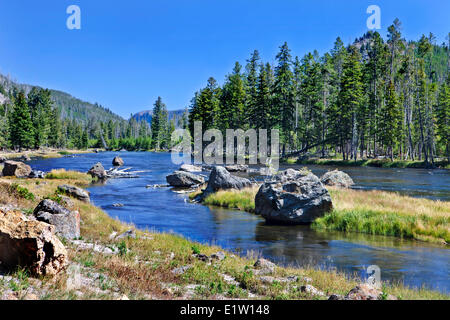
[
  {"x": 62, "y": 174},
  {"x": 383, "y": 213},
  {"x": 234, "y": 199}
]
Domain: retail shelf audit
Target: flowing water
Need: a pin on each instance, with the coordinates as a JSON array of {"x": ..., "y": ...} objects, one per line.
[{"x": 415, "y": 264}]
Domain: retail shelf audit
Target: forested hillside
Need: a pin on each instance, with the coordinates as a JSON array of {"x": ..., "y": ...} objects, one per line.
[{"x": 371, "y": 98}]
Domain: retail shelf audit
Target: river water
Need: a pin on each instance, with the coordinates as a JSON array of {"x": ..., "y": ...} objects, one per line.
[{"x": 413, "y": 263}]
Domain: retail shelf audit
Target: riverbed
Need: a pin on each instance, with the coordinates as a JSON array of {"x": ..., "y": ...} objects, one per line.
[{"x": 414, "y": 263}]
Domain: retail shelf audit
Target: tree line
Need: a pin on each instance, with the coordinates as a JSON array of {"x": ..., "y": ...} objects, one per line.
[
  {"x": 369, "y": 99},
  {"x": 32, "y": 121}
]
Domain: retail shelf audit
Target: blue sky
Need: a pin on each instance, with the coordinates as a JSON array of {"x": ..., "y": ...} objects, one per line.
[{"x": 128, "y": 53}]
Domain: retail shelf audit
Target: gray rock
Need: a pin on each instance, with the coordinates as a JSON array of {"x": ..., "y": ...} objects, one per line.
[
  {"x": 127, "y": 234},
  {"x": 67, "y": 223},
  {"x": 118, "y": 162},
  {"x": 237, "y": 168},
  {"x": 98, "y": 171},
  {"x": 36, "y": 174},
  {"x": 218, "y": 255},
  {"x": 16, "y": 168},
  {"x": 181, "y": 179},
  {"x": 265, "y": 266},
  {"x": 297, "y": 198},
  {"x": 181, "y": 270},
  {"x": 337, "y": 178},
  {"x": 2, "y": 159},
  {"x": 311, "y": 290},
  {"x": 221, "y": 179},
  {"x": 190, "y": 168},
  {"x": 75, "y": 192}
]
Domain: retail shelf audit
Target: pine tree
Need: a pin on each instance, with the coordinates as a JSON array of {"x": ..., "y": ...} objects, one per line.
[
  {"x": 251, "y": 88},
  {"x": 349, "y": 99},
  {"x": 21, "y": 126},
  {"x": 284, "y": 96},
  {"x": 232, "y": 101},
  {"x": 443, "y": 117}
]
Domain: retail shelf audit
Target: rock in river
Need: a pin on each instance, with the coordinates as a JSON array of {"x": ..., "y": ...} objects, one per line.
[
  {"x": 118, "y": 162},
  {"x": 181, "y": 179},
  {"x": 295, "y": 198},
  {"x": 66, "y": 222},
  {"x": 190, "y": 168},
  {"x": 97, "y": 171},
  {"x": 221, "y": 179},
  {"x": 30, "y": 244},
  {"x": 75, "y": 192},
  {"x": 16, "y": 168},
  {"x": 237, "y": 168},
  {"x": 337, "y": 178}
]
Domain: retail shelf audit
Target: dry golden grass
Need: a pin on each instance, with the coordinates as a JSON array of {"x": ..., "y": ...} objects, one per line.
[{"x": 348, "y": 199}]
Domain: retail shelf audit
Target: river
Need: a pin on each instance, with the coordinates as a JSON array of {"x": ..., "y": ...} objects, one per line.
[{"x": 414, "y": 263}]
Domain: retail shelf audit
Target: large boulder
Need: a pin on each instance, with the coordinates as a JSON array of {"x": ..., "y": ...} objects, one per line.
[
  {"x": 221, "y": 179},
  {"x": 337, "y": 178},
  {"x": 118, "y": 162},
  {"x": 16, "y": 168},
  {"x": 190, "y": 168},
  {"x": 66, "y": 222},
  {"x": 75, "y": 192},
  {"x": 30, "y": 244},
  {"x": 97, "y": 171},
  {"x": 295, "y": 197},
  {"x": 182, "y": 179}
]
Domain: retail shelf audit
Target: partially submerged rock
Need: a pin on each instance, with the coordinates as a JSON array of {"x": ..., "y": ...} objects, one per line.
[
  {"x": 237, "y": 168},
  {"x": 181, "y": 179},
  {"x": 98, "y": 171},
  {"x": 337, "y": 178},
  {"x": 30, "y": 244},
  {"x": 190, "y": 168},
  {"x": 16, "y": 168},
  {"x": 294, "y": 198},
  {"x": 75, "y": 192},
  {"x": 66, "y": 222},
  {"x": 118, "y": 162},
  {"x": 221, "y": 179}
]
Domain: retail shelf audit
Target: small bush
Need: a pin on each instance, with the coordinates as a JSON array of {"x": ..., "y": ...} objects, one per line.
[{"x": 21, "y": 192}]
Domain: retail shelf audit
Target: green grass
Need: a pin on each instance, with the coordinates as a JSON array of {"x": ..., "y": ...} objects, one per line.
[{"x": 233, "y": 199}]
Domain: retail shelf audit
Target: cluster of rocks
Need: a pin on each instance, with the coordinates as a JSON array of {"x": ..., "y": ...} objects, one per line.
[
  {"x": 32, "y": 241},
  {"x": 20, "y": 170}
]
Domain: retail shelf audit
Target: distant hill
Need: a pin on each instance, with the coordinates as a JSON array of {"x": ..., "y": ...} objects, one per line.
[
  {"x": 147, "y": 115},
  {"x": 70, "y": 107}
]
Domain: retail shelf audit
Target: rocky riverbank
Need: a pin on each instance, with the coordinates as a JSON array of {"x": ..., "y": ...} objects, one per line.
[{"x": 113, "y": 260}]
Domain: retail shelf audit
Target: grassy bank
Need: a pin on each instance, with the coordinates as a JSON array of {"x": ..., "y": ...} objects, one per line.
[
  {"x": 143, "y": 268},
  {"x": 385, "y": 163},
  {"x": 371, "y": 212},
  {"x": 43, "y": 153}
]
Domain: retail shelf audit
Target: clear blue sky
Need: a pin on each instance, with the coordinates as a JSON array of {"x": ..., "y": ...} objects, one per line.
[{"x": 129, "y": 52}]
